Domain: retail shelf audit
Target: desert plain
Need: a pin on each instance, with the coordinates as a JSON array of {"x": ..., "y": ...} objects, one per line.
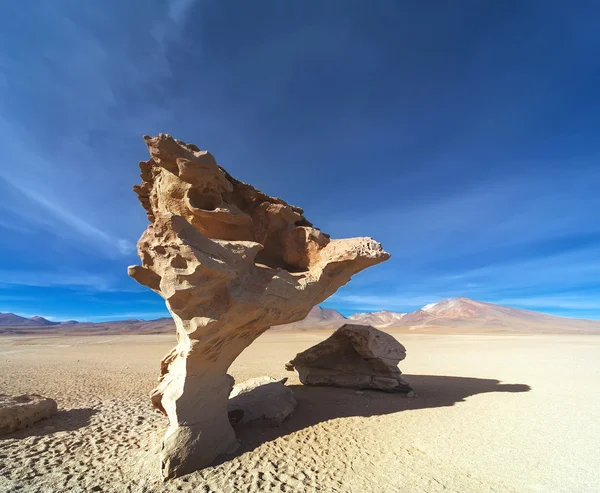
[{"x": 492, "y": 413}]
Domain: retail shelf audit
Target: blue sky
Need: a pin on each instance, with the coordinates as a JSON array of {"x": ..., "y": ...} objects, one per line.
[{"x": 462, "y": 135}]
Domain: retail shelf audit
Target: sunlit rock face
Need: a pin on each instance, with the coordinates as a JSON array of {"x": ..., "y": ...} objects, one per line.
[
  {"x": 21, "y": 411},
  {"x": 230, "y": 262},
  {"x": 356, "y": 356}
]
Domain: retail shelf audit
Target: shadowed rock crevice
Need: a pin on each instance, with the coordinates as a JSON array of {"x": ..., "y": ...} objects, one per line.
[{"x": 230, "y": 262}]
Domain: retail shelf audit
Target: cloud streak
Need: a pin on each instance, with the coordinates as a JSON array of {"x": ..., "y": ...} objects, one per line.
[
  {"x": 74, "y": 280},
  {"x": 72, "y": 226},
  {"x": 119, "y": 316}
]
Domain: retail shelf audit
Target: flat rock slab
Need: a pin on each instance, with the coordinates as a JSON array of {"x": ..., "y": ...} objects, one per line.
[
  {"x": 21, "y": 411},
  {"x": 355, "y": 356},
  {"x": 261, "y": 399}
]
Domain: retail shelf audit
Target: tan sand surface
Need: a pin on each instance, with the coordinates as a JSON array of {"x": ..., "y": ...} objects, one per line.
[{"x": 493, "y": 413}]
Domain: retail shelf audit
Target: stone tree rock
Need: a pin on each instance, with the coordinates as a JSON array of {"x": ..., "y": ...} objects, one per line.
[
  {"x": 356, "y": 356},
  {"x": 230, "y": 261},
  {"x": 21, "y": 411}
]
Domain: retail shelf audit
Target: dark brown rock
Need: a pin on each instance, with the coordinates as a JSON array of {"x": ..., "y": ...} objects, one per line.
[{"x": 355, "y": 356}]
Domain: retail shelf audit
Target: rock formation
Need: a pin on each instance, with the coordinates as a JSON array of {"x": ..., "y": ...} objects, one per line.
[
  {"x": 230, "y": 261},
  {"x": 262, "y": 399},
  {"x": 24, "y": 410},
  {"x": 356, "y": 356}
]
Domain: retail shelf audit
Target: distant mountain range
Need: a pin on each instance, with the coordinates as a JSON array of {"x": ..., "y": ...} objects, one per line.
[
  {"x": 378, "y": 319},
  {"x": 12, "y": 320},
  {"x": 451, "y": 315}
]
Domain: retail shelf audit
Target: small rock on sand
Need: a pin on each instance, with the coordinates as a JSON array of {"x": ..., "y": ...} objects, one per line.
[
  {"x": 21, "y": 411},
  {"x": 261, "y": 398}
]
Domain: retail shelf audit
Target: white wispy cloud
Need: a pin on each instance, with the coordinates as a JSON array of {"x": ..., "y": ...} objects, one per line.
[
  {"x": 553, "y": 302},
  {"x": 75, "y": 280},
  {"x": 537, "y": 283},
  {"x": 546, "y": 270},
  {"x": 17, "y": 226},
  {"x": 119, "y": 316},
  {"x": 515, "y": 211},
  {"x": 368, "y": 302},
  {"x": 4, "y": 297},
  {"x": 71, "y": 225},
  {"x": 67, "y": 181},
  {"x": 178, "y": 9},
  {"x": 169, "y": 28}
]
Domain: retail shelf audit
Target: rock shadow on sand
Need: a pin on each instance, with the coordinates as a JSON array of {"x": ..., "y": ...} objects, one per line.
[
  {"x": 319, "y": 404},
  {"x": 63, "y": 420}
]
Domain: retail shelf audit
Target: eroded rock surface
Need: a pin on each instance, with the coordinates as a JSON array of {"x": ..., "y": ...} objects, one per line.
[
  {"x": 356, "y": 356},
  {"x": 22, "y": 411},
  {"x": 262, "y": 399},
  {"x": 230, "y": 261}
]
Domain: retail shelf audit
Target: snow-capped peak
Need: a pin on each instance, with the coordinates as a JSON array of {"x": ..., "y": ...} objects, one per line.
[
  {"x": 428, "y": 307},
  {"x": 440, "y": 306},
  {"x": 383, "y": 318}
]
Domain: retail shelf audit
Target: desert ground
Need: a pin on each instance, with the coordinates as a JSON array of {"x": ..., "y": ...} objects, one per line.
[{"x": 492, "y": 413}]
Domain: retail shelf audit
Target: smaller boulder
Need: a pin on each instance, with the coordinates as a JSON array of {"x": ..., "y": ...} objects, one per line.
[
  {"x": 355, "y": 356},
  {"x": 21, "y": 411},
  {"x": 261, "y": 399}
]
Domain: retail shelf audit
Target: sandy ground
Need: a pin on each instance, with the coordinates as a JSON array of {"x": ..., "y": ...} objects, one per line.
[{"x": 493, "y": 413}]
